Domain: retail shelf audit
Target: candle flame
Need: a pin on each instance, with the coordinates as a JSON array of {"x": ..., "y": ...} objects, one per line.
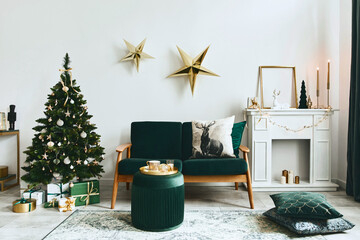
[
  {"x": 329, "y": 60},
  {"x": 318, "y": 69}
]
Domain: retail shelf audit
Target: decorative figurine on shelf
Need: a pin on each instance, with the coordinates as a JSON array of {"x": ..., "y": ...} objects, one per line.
[
  {"x": 309, "y": 102},
  {"x": 303, "y": 103},
  {"x": 253, "y": 103},
  {"x": 276, "y": 104},
  {"x": 12, "y": 117}
]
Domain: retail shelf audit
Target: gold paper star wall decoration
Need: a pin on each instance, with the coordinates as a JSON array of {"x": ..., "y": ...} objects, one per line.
[
  {"x": 135, "y": 53},
  {"x": 192, "y": 67}
]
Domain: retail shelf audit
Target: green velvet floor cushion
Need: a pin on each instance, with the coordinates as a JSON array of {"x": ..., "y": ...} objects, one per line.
[
  {"x": 157, "y": 140},
  {"x": 308, "y": 205},
  {"x": 214, "y": 166},
  {"x": 129, "y": 166},
  {"x": 309, "y": 226}
]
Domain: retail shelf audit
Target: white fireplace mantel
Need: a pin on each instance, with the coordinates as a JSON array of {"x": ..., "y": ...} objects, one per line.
[{"x": 262, "y": 132}]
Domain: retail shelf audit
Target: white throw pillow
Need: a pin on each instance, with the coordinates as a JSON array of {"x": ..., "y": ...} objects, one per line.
[{"x": 212, "y": 139}]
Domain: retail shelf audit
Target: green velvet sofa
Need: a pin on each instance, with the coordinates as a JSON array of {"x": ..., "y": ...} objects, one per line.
[{"x": 173, "y": 140}]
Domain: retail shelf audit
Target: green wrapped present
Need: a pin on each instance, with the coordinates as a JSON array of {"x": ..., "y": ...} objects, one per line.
[
  {"x": 52, "y": 203},
  {"x": 85, "y": 192}
]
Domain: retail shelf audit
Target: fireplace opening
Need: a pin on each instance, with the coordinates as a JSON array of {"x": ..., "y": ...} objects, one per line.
[{"x": 291, "y": 155}]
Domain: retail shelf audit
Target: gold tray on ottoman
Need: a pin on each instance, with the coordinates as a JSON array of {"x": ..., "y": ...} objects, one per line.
[{"x": 145, "y": 170}]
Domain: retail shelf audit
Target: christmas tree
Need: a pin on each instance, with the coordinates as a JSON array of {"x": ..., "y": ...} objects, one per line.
[
  {"x": 303, "y": 102},
  {"x": 65, "y": 144}
]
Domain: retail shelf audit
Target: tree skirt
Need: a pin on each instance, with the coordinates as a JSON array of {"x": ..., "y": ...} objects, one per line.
[{"x": 199, "y": 224}]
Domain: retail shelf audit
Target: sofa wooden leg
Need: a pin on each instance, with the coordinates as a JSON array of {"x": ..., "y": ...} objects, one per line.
[
  {"x": 127, "y": 186},
  {"x": 236, "y": 186},
  {"x": 249, "y": 188},
  {"x": 114, "y": 194}
]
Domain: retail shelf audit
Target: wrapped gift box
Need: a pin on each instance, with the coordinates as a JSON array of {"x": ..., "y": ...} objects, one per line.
[
  {"x": 24, "y": 205},
  {"x": 85, "y": 192},
  {"x": 38, "y": 194},
  {"x": 57, "y": 190},
  {"x": 66, "y": 204}
]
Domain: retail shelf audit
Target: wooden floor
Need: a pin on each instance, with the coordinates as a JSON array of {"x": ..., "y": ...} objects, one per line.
[{"x": 37, "y": 224}]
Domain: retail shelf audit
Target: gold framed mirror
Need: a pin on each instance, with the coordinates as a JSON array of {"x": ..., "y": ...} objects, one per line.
[{"x": 282, "y": 81}]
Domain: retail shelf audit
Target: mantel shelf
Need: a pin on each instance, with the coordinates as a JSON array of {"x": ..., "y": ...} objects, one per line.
[{"x": 290, "y": 111}]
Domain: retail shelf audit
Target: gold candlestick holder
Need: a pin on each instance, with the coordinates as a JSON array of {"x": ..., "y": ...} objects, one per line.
[{"x": 317, "y": 99}]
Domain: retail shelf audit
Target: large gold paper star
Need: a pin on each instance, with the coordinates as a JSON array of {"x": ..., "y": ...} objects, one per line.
[
  {"x": 192, "y": 67},
  {"x": 135, "y": 53}
]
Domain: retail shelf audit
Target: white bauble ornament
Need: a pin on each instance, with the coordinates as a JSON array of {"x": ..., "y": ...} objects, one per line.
[
  {"x": 43, "y": 131},
  {"x": 86, "y": 162},
  {"x": 73, "y": 116},
  {"x": 59, "y": 144},
  {"x": 67, "y": 160},
  {"x": 71, "y": 167},
  {"x": 50, "y": 144},
  {"x": 56, "y": 161},
  {"x": 65, "y": 88},
  {"x": 43, "y": 168},
  {"x": 83, "y": 134},
  {"x": 72, "y": 101},
  {"x": 50, "y": 119},
  {"x": 60, "y": 122},
  {"x": 56, "y": 175}
]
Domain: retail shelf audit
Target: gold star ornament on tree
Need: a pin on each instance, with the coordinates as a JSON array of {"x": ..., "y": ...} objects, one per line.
[
  {"x": 192, "y": 67},
  {"x": 135, "y": 53}
]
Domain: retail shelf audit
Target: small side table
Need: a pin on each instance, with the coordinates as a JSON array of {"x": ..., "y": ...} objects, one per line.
[
  {"x": 12, "y": 176},
  {"x": 157, "y": 202}
]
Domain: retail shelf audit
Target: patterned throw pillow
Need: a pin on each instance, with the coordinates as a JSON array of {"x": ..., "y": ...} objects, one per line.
[
  {"x": 306, "y": 205},
  {"x": 309, "y": 226},
  {"x": 212, "y": 139}
]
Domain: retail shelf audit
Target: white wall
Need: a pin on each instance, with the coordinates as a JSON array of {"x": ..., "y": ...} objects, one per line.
[{"x": 35, "y": 35}]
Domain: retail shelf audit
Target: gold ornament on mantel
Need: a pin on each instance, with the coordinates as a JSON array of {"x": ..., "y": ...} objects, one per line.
[
  {"x": 192, "y": 67},
  {"x": 135, "y": 53}
]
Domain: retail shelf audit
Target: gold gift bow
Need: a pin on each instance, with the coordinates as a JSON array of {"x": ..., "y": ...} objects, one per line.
[
  {"x": 86, "y": 197},
  {"x": 67, "y": 70},
  {"x": 52, "y": 202},
  {"x": 67, "y": 205}
]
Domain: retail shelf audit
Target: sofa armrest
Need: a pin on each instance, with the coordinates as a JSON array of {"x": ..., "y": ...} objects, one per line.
[
  {"x": 122, "y": 147},
  {"x": 244, "y": 149}
]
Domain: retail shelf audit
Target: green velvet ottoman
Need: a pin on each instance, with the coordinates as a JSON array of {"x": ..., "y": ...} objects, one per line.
[{"x": 157, "y": 202}]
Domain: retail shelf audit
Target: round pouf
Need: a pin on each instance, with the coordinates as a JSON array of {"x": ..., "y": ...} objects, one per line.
[{"x": 157, "y": 202}]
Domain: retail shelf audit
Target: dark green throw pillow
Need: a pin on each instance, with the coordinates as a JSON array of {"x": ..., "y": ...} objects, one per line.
[
  {"x": 306, "y": 205},
  {"x": 309, "y": 226},
  {"x": 236, "y": 135}
]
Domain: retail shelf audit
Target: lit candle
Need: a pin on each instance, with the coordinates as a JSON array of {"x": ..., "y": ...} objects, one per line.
[
  {"x": 317, "y": 85},
  {"x": 328, "y": 76}
]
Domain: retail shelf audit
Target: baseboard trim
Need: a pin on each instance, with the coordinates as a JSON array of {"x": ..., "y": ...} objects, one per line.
[{"x": 339, "y": 182}]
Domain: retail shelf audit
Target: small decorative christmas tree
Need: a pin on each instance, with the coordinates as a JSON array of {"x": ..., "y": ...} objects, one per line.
[
  {"x": 303, "y": 102},
  {"x": 65, "y": 144}
]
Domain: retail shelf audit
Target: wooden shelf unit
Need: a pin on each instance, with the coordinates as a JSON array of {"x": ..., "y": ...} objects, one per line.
[{"x": 12, "y": 176}]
